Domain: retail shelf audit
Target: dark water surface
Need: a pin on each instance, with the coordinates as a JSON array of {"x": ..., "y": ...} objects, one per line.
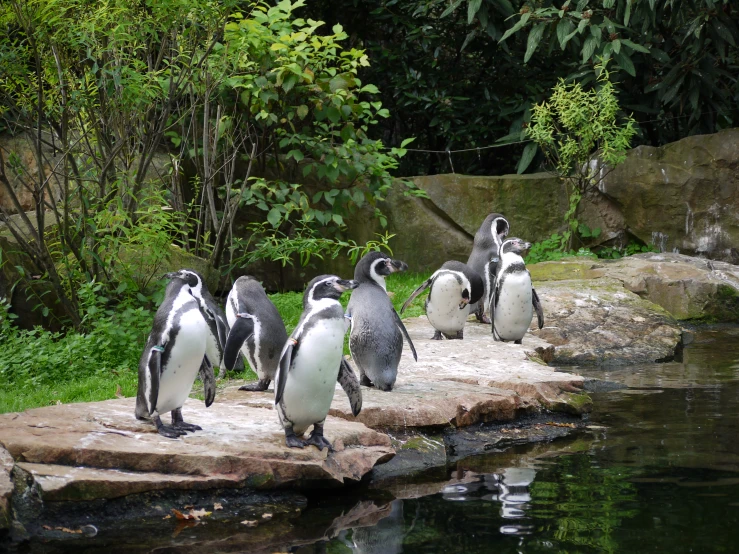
[
  {"x": 656, "y": 471},
  {"x": 661, "y": 475}
]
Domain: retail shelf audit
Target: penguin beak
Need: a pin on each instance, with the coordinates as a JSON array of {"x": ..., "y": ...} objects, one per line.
[
  {"x": 396, "y": 265},
  {"x": 170, "y": 275},
  {"x": 341, "y": 285},
  {"x": 463, "y": 304}
]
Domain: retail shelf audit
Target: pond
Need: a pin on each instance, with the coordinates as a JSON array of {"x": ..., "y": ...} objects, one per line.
[{"x": 657, "y": 469}]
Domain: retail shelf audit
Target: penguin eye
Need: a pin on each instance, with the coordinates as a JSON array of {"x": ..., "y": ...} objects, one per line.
[{"x": 465, "y": 293}]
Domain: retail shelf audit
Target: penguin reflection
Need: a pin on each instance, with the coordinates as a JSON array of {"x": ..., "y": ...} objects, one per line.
[{"x": 384, "y": 538}]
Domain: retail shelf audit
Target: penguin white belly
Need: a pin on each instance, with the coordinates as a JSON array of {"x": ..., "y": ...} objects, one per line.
[
  {"x": 311, "y": 380},
  {"x": 186, "y": 356},
  {"x": 442, "y": 309},
  {"x": 514, "y": 309}
]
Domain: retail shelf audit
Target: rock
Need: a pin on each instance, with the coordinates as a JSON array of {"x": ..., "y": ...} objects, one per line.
[
  {"x": 684, "y": 195},
  {"x": 599, "y": 322},
  {"x": 99, "y": 450},
  {"x": 457, "y": 383},
  {"x": 6, "y": 488},
  {"x": 686, "y": 287}
]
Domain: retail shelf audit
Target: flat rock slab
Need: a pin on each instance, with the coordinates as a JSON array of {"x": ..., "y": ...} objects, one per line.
[
  {"x": 99, "y": 450},
  {"x": 457, "y": 383},
  {"x": 685, "y": 286}
]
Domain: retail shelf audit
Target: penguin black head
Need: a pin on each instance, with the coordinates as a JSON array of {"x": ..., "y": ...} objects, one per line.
[
  {"x": 375, "y": 266},
  {"x": 190, "y": 276},
  {"x": 499, "y": 228},
  {"x": 515, "y": 246},
  {"x": 326, "y": 286}
]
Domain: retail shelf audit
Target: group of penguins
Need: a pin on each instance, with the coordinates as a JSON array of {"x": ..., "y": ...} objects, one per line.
[{"x": 190, "y": 332}]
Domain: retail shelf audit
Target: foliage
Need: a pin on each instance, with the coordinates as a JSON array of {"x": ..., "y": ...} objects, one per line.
[
  {"x": 291, "y": 96},
  {"x": 305, "y": 243},
  {"x": 93, "y": 96},
  {"x": 683, "y": 54},
  {"x": 75, "y": 367},
  {"x": 551, "y": 249},
  {"x": 96, "y": 97},
  {"x": 579, "y": 132},
  {"x": 613, "y": 252}
]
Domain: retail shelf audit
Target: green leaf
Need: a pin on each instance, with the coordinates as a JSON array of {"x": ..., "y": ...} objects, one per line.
[
  {"x": 297, "y": 154},
  {"x": 660, "y": 55},
  {"x": 519, "y": 25},
  {"x": 274, "y": 217},
  {"x": 634, "y": 46},
  {"x": 564, "y": 28},
  {"x": 407, "y": 141},
  {"x": 627, "y": 13},
  {"x": 527, "y": 157},
  {"x": 625, "y": 62},
  {"x": 302, "y": 111},
  {"x": 450, "y": 9},
  {"x": 588, "y": 48},
  {"x": 337, "y": 219},
  {"x": 616, "y": 45},
  {"x": 472, "y": 8},
  {"x": 333, "y": 114},
  {"x": 534, "y": 40}
]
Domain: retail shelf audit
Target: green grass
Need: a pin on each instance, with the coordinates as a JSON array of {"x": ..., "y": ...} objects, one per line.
[{"x": 39, "y": 368}]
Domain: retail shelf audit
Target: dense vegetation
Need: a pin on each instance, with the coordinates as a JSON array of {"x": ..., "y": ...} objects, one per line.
[{"x": 460, "y": 74}]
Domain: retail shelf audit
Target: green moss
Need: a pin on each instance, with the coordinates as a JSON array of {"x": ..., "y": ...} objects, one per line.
[{"x": 422, "y": 443}]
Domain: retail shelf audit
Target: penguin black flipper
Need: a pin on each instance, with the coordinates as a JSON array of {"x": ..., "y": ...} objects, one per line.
[
  {"x": 209, "y": 381},
  {"x": 348, "y": 381},
  {"x": 155, "y": 371},
  {"x": 286, "y": 360},
  {"x": 222, "y": 328},
  {"x": 493, "y": 300},
  {"x": 537, "y": 307},
  {"x": 416, "y": 292},
  {"x": 403, "y": 330},
  {"x": 242, "y": 329}
]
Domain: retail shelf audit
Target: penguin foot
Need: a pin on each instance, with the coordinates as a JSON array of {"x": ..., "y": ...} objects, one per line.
[
  {"x": 483, "y": 318},
  {"x": 318, "y": 440},
  {"x": 182, "y": 426},
  {"x": 259, "y": 386},
  {"x": 364, "y": 380},
  {"x": 460, "y": 335},
  {"x": 170, "y": 432},
  {"x": 292, "y": 440},
  {"x": 437, "y": 336}
]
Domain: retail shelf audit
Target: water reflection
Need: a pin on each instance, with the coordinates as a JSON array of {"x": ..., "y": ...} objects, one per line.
[{"x": 384, "y": 538}]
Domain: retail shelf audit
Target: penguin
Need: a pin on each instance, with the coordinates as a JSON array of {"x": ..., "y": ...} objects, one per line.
[
  {"x": 512, "y": 299},
  {"x": 485, "y": 247},
  {"x": 312, "y": 362},
  {"x": 257, "y": 331},
  {"x": 453, "y": 288},
  {"x": 174, "y": 354},
  {"x": 218, "y": 327},
  {"x": 376, "y": 336}
]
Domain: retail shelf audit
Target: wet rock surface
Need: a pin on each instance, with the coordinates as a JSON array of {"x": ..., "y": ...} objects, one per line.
[
  {"x": 626, "y": 311},
  {"x": 684, "y": 286}
]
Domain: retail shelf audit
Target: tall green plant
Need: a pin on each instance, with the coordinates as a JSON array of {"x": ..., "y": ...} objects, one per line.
[{"x": 583, "y": 137}]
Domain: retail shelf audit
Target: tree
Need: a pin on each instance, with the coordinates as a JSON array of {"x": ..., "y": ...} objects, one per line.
[{"x": 582, "y": 139}]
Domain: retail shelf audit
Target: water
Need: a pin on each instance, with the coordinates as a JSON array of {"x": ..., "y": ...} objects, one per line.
[
  {"x": 657, "y": 471},
  {"x": 661, "y": 475}
]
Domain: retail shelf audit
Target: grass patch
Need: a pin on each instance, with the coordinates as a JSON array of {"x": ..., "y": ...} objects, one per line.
[{"x": 40, "y": 368}]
